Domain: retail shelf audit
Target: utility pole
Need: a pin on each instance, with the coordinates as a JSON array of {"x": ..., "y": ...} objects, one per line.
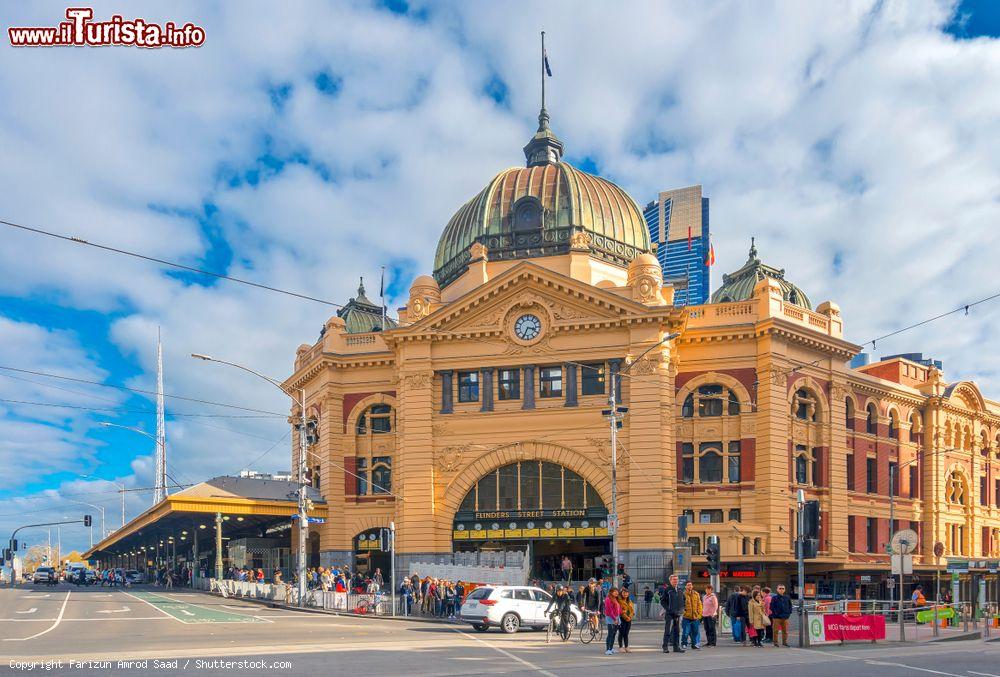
[{"x": 800, "y": 556}]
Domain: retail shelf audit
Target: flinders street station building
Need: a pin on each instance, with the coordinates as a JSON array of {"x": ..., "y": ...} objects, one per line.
[{"x": 474, "y": 422}]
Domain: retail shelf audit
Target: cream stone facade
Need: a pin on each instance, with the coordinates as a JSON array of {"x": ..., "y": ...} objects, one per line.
[{"x": 542, "y": 293}]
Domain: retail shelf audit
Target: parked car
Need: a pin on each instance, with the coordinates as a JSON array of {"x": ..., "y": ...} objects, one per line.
[
  {"x": 46, "y": 575},
  {"x": 509, "y": 608}
]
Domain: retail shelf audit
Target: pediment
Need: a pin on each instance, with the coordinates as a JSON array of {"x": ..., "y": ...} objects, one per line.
[{"x": 564, "y": 300}]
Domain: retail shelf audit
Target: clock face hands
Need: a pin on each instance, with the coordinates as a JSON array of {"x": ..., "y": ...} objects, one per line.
[{"x": 527, "y": 327}]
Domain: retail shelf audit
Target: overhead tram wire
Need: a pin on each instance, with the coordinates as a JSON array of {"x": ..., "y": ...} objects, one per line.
[
  {"x": 172, "y": 264},
  {"x": 137, "y": 411},
  {"x": 140, "y": 390}
]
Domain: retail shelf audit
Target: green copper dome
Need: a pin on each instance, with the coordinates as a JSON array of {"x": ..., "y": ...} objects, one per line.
[
  {"x": 739, "y": 285},
  {"x": 534, "y": 211}
]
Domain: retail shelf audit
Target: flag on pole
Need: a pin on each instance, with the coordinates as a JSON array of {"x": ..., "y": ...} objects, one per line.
[
  {"x": 710, "y": 256},
  {"x": 545, "y": 59}
]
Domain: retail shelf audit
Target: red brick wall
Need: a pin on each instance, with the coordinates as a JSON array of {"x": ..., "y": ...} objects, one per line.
[
  {"x": 890, "y": 371},
  {"x": 748, "y": 450},
  {"x": 350, "y": 481},
  {"x": 883, "y": 534},
  {"x": 680, "y": 461},
  {"x": 860, "y": 471},
  {"x": 882, "y": 455}
]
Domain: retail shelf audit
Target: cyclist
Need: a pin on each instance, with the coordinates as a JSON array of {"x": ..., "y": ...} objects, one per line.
[
  {"x": 591, "y": 602},
  {"x": 559, "y": 606}
]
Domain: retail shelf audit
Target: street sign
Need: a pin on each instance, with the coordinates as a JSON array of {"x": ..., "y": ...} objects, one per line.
[
  {"x": 957, "y": 565},
  {"x": 890, "y": 583},
  {"x": 316, "y": 520},
  {"x": 903, "y": 542},
  {"x": 902, "y": 564},
  {"x": 612, "y": 524}
]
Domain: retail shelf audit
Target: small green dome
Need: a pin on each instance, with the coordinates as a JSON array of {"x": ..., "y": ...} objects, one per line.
[{"x": 739, "y": 285}]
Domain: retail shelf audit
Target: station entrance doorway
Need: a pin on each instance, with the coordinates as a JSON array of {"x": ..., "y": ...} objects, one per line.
[{"x": 542, "y": 510}]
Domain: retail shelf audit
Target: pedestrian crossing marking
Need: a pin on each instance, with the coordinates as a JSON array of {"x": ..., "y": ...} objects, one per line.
[{"x": 192, "y": 613}]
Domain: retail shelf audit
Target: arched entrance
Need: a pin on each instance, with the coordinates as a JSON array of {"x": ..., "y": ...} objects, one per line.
[
  {"x": 539, "y": 508},
  {"x": 370, "y": 553}
]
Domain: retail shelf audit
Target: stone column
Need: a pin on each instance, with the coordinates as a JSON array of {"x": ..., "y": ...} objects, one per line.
[
  {"x": 447, "y": 392},
  {"x": 528, "y": 387},
  {"x": 486, "y": 388},
  {"x": 571, "y": 386}
]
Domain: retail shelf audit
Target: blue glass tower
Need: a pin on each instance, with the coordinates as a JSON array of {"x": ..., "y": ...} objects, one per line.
[{"x": 672, "y": 218}]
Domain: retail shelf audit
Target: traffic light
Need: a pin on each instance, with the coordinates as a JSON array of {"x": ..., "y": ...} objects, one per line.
[
  {"x": 7, "y": 554},
  {"x": 810, "y": 520},
  {"x": 682, "y": 528},
  {"x": 385, "y": 540},
  {"x": 312, "y": 432},
  {"x": 87, "y": 521},
  {"x": 713, "y": 555},
  {"x": 13, "y": 545}
]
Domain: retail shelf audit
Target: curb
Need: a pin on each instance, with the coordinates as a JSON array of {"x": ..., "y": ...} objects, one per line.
[
  {"x": 328, "y": 612},
  {"x": 959, "y": 638}
]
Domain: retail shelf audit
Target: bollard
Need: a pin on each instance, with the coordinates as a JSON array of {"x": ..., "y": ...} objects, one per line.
[{"x": 965, "y": 618}]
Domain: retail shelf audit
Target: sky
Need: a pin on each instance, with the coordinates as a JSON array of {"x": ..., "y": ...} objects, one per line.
[{"x": 305, "y": 145}]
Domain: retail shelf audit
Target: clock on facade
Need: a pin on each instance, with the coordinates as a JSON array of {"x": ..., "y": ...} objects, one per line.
[{"x": 527, "y": 327}]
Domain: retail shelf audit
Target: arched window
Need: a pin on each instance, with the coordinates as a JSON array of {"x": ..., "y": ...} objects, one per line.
[
  {"x": 375, "y": 419},
  {"x": 529, "y": 486},
  {"x": 849, "y": 413},
  {"x": 687, "y": 411},
  {"x": 871, "y": 422},
  {"x": 374, "y": 444},
  {"x": 805, "y": 466},
  {"x": 712, "y": 464},
  {"x": 734, "y": 404},
  {"x": 955, "y": 491},
  {"x": 804, "y": 405},
  {"x": 893, "y": 425}
]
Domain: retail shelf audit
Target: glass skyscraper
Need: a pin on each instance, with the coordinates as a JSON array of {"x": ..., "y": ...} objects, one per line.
[{"x": 676, "y": 218}]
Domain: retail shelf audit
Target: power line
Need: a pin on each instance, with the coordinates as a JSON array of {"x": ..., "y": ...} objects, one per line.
[
  {"x": 172, "y": 264},
  {"x": 139, "y": 390},
  {"x": 134, "y": 411}
]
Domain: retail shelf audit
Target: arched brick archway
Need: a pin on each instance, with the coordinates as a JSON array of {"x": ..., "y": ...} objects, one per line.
[{"x": 526, "y": 451}]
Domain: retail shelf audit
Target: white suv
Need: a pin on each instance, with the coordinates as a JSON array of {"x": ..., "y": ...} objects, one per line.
[{"x": 510, "y": 608}]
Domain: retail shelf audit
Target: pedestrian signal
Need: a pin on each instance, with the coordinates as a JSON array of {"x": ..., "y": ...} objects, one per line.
[{"x": 714, "y": 557}]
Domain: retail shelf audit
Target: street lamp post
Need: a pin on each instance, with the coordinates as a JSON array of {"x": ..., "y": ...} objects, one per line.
[
  {"x": 303, "y": 486},
  {"x": 92, "y": 525},
  {"x": 613, "y": 418},
  {"x": 158, "y": 443},
  {"x": 121, "y": 489}
]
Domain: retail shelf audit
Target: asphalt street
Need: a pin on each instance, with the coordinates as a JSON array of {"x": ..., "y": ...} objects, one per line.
[{"x": 155, "y": 631}]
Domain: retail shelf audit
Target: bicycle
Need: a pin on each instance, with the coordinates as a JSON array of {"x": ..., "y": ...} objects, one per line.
[
  {"x": 592, "y": 629},
  {"x": 560, "y": 624}
]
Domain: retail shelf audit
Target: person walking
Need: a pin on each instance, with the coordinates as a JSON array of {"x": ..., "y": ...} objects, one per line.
[
  {"x": 612, "y": 616},
  {"x": 766, "y": 599},
  {"x": 628, "y": 613},
  {"x": 781, "y": 611},
  {"x": 672, "y": 602},
  {"x": 709, "y": 613},
  {"x": 758, "y": 620},
  {"x": 647, "y": 602},
  {"x": 691, "y": 622},
  {"x": 567, "y": 569}
]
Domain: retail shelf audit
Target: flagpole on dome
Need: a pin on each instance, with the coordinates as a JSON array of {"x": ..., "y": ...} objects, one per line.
[
  {"x": 381, "y": 293},
  {"x": 543, "y": 70}
]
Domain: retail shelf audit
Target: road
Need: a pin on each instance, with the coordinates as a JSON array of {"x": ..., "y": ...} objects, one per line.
[{"x": 154, "y": 628}]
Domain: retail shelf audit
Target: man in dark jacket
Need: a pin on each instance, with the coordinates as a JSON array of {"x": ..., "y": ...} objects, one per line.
[
  {"x": 781, "y": 610},
  {"x": 672, "y": 602},
  {"x": 742, "y": 608}
]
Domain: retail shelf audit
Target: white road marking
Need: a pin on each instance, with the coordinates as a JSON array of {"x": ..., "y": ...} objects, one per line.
[
  {"x": 508, "y": 654},
  {"x": 186, "y": 612},
  {"x": 49, "y": 629},
  {"x": 913, "y": 667},
  {"x": 29, "y": 611},
  {"x": 124, "y": 609},
  {"x": 34, "y": 596},
  {"x": 984, "y": 674},
  {"x": 165, "y": 614},
  {"x": 208, "y": 608}
]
